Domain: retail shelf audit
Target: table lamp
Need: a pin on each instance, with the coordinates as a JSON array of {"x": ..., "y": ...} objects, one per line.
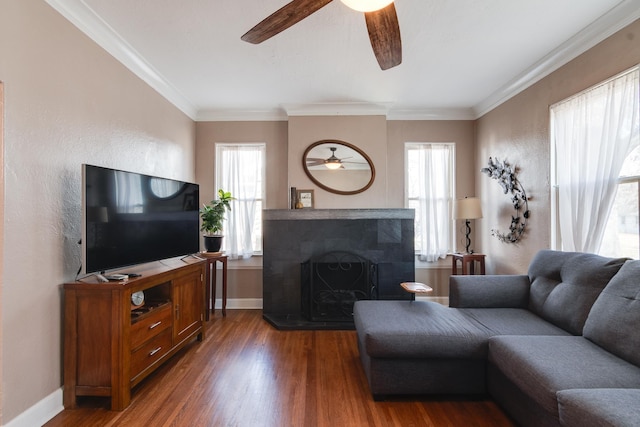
[{"x": 468, "y": 208}]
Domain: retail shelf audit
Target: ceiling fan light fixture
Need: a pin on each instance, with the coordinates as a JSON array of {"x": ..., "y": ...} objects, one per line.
[
  {"x": 367, "y": 5},
  {"x": 333, "y": 164}
]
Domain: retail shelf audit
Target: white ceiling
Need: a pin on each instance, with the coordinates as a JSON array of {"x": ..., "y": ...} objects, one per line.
[{"x": 461, "y": 58}]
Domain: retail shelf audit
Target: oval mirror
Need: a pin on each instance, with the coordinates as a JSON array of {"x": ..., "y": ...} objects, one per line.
[{"x": 338, "y": 167}]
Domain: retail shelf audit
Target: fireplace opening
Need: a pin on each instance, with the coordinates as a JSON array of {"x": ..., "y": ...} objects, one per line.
[{"x": 332, "y": 283}]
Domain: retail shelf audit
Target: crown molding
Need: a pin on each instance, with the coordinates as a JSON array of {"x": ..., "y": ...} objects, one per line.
[
  {"x": 274, "y": 115},
  {"x": 432, "y": 114},
  {"x": 335, "y": 109},
  {"x": 616, "y": 19},
  {"x": 86, "y": 20},
  {"x": 338, "y": 109},
  {"x": 378, "y": 109}
]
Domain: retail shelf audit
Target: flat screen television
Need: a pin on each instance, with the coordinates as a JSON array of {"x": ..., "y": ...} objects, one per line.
[{"x": 130, "y": 218}]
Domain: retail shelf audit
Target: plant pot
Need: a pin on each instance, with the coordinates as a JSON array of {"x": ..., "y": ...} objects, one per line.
[{"x": 212, "y": 243}]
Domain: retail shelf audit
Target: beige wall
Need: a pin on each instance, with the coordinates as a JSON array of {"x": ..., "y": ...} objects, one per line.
[
  {"x": 67, "y": 102},
  {"x": 1, "y": 228},
  {"x": 368, "y": 133},
  {"x": 244, "y": 283},
  {"x": 273, "y": 134},
  {"x": 382, "y": 140},
  {"x": 459, "y": 131},
  {"x": 518, "y": 131}
]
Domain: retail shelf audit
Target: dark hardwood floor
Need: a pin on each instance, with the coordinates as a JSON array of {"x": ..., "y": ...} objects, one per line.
[{"x": 246, "y": 373}]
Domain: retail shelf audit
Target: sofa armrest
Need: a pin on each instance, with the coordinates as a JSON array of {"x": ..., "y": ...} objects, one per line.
[{"x": 492, "y": 291}]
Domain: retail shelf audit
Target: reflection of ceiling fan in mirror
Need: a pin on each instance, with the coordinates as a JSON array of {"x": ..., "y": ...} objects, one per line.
[
  {"x": 380, "y": 16},
  {"x": 332, "y": 162},
  {"x": 351, "y": 172}
]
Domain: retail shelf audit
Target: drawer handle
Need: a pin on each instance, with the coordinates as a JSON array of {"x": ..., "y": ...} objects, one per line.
[
  {"x": 155, "y": 325},
  {"x": 155, "y": 351}
]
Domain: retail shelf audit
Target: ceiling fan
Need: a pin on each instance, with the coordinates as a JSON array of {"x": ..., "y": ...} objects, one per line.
[
  {"x": 332, "y": 162},
  {"x": 380, "y": 16}
]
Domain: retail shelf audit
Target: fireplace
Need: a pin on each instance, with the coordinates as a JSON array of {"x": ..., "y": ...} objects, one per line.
[
  {"x": 381, "y": 237},
  {"x": 332, "y": 283}
]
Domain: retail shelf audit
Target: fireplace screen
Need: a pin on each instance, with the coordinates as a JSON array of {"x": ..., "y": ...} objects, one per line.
[{"x": 332, "y": 283}]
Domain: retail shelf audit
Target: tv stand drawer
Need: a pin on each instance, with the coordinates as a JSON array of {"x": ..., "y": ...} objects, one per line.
[
  {"x": 151, "y": 325},
  {"x": 150, "y": 352}
]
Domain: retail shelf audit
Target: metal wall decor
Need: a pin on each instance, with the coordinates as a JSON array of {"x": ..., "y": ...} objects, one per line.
[{"x": 506, "y": 177}]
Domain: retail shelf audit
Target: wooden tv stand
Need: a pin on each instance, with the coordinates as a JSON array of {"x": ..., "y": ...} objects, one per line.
[{"x": 109, "y": 347}]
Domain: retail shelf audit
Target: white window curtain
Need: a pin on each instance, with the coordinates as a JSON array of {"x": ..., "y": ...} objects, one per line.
[
  {"x": 240, "y": 170},
  {"x": 128, "y": 189},
  {"x": 430, "y": 187},
  {"x": 592, "y": 134}
]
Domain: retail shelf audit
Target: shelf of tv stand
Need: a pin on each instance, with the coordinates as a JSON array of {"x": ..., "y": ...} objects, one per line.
[
  {"x": 108, "y": 349},
  {"x": 149, "y": 309}
]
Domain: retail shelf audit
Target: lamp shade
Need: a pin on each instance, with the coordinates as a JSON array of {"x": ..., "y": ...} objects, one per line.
[
  {"x": 367, "y": 5},
  {"x": 467, "y": 208}
]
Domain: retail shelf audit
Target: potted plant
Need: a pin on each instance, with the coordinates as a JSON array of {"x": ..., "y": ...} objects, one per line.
[{"x": 212, "y": 216}]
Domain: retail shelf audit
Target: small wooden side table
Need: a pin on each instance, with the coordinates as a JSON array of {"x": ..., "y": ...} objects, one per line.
[
  {"x": 468, "y": 263},
  {"x": 212, "y": 259},
  {"x": 416, "y": 288}
]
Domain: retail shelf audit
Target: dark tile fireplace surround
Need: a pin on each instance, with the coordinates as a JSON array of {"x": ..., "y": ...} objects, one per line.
[{"x": 384, "y": 238}]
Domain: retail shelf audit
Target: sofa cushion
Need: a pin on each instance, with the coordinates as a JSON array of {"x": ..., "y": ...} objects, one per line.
[
  {"x": 417, "y": 329},
  {"x": 511, "y": 321},
  {"x": 614, "y": 319},
  {"x": 490, "y": 291},
  {"x": 540, "y": 366},
  {"x": 619, "y": 407},
  {"x": 564, "y": 285}
]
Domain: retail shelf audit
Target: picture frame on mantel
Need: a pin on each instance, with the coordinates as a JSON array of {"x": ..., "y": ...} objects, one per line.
[{"x": 305, "y": 197}]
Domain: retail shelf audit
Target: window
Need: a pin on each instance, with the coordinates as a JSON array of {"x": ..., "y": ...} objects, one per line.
[
  {"x": 596, "y": 168},
  {"x": 429, "y": 189},
  {"x": 240, "y": 169},
  {"x": 622, "y": 234}
]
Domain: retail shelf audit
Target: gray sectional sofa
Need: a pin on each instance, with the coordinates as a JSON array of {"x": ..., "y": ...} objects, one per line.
[{"x": 558, "y": 346}]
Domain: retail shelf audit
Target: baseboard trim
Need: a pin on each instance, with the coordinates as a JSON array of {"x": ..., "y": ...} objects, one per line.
[
  {"x": 241, "y": 303},
  {"x": 39, "y": 413}
]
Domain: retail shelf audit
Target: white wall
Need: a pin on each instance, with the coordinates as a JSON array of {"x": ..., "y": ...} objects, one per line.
[{"x": 67, "y": 102}]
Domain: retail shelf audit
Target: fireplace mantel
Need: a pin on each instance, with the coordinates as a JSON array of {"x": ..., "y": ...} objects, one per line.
[
  {"x": 314, "y": 214},
  {"x": 291, "y": 237}
]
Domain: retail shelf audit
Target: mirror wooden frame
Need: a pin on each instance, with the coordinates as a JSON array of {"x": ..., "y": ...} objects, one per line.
[{"x": 326, "y": 187}]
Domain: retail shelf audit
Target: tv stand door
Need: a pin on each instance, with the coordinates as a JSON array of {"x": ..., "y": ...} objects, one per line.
[{"x": 188, "y": 300}]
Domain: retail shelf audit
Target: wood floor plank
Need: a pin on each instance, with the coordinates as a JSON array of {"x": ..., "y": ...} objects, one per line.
[{"x": 246, "y": 373}]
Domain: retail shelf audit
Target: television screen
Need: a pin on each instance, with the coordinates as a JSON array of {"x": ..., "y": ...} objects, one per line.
[{"x": 130, "y": 218}]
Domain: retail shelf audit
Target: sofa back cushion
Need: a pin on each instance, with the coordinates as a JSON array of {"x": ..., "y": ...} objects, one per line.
[
  {"x": 564, "y": 285},
  {"x": 614, "y": 319}
]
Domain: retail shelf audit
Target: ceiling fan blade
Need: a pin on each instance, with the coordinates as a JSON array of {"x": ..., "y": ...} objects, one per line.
[
  {"x": 282, "y": 19},
  {"x": 384, "y": 33}
]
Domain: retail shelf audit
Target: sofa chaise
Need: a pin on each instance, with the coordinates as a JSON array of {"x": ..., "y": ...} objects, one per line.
[{"x": 557, "y": 346}]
